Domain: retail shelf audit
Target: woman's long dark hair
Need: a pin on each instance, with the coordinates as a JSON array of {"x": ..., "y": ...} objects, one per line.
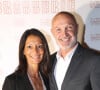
[{"x": 44, "y": 65}]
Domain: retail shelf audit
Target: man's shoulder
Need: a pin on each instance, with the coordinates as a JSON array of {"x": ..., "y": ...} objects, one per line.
[
  {"x": 86, "y": 50},
  {"x": 52, "y": 56}
]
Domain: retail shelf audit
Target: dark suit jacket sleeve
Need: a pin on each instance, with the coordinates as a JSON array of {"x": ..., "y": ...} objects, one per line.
[
  {"x": 8, "y": 84},
  {"x": 95, "y": 75}
]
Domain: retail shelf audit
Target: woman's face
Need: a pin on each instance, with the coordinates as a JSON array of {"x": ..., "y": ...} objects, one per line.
[{"x": 34, "y": 50}]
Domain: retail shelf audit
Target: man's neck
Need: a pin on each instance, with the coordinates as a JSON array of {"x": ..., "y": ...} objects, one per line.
[{"x": 64, "y": 52}]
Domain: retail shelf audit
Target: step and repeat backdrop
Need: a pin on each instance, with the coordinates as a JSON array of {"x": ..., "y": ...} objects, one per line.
[{"x": 18, "y": 15}]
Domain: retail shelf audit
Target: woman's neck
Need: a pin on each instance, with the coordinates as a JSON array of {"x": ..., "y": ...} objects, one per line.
[{"x": 33, "y": 71}]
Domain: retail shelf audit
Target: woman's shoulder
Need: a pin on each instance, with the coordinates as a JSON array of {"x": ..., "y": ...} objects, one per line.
[
  {"x": 9, "y": 82},
  {"x": 13, "y": 76},
  {"x": 12, "y": 80}
]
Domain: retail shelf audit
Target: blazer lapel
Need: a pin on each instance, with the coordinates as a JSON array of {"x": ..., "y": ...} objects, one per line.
[
  {"x": 53, "y": 82},
  {"x": 24, "y": 83},
  {"x": 28, "y": 83},
  {"x": 75, "y": 61},
  {"x": 53, "y": 77}
]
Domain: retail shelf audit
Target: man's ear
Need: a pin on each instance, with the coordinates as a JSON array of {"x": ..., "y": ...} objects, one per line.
[
  {"x": 77, "y": 27},
  {"x": 52, "y": 30}
]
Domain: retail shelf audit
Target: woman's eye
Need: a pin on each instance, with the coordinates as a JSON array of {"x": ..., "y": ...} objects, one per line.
[
  {"x": 29, "y": 46},
  {"x": 40, "y": 46}
]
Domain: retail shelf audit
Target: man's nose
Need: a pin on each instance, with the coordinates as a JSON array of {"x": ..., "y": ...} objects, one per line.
[{"x": 65, "y": 31}]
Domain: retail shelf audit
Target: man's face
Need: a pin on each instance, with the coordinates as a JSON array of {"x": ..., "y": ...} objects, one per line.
[{"x": 64, "y": 30}]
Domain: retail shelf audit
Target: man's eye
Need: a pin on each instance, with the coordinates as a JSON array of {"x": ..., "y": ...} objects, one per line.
[
  {"x": 70, "y": 27},
  {"x": 58, "y": 30}
]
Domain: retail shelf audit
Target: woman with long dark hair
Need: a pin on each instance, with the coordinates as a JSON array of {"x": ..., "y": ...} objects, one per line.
[{"x": 33, "y": 68}]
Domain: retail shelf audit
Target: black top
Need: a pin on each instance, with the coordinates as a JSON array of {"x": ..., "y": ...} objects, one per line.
[{"x": 17, "y": 81}]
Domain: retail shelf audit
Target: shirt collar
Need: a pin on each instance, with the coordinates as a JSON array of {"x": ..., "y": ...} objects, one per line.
[{"x": 69, "y": 54}]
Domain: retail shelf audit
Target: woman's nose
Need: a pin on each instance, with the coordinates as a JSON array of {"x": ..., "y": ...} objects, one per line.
[{"x": 35, "y": 50}]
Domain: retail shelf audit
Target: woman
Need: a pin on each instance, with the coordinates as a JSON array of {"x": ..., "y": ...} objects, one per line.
[{"x": 33, "y": 69}]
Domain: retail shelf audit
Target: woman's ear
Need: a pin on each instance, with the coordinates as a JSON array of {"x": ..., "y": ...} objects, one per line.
[{"x": 24, "y": 52}]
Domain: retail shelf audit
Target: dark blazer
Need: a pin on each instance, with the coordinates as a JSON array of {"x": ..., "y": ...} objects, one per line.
[
  {"x": 83, "y": 72},
  {"x": 20, "y": 82}
]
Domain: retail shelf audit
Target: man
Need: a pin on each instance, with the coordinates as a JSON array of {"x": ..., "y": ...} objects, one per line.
[{"x": 73, "y": 66}]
